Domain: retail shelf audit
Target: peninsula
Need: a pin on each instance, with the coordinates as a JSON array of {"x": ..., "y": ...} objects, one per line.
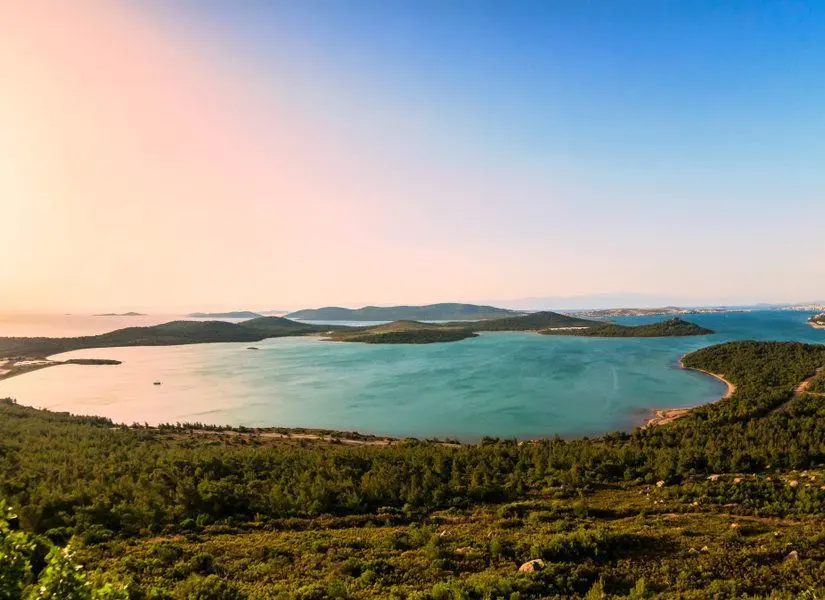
[{"x": 817, "y": 321}]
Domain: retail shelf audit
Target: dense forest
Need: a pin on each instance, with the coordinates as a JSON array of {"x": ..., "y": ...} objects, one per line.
[{"x": 725, "y": 502}]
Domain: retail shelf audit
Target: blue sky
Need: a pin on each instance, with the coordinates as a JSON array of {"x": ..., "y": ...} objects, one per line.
[{"x": 455, "y": 150}]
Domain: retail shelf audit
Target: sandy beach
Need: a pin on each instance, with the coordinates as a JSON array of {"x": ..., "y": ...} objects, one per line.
[{"x": 663, "y": 416}]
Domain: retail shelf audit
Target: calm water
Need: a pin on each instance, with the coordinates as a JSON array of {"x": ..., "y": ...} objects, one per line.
[{"x": 503, "y": 384}]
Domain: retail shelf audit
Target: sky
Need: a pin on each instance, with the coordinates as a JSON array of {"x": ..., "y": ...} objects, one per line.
[{"x": 280, "y": 154}]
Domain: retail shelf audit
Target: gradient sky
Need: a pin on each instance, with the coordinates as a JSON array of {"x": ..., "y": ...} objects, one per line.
[{"x": 266, "y": 154}]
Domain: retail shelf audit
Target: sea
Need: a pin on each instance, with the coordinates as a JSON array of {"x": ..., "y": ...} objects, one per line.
[{"x": 508, "y": 385}]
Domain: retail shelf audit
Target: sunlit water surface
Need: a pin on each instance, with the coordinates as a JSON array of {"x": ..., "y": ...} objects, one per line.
[{"x": 503, "y": 384}]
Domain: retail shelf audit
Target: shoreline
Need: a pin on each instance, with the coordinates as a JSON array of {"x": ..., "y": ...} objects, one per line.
[
  {"x": 13, "y": 368},
  {"x": 663, "y": 416}
]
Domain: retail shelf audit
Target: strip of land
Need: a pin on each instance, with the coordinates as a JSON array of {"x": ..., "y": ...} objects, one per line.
[{"x": 11, "y": 368}]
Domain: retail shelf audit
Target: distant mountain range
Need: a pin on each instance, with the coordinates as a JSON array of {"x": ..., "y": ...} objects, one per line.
[
  {"x": 126, "y": 314},
  {"x": 430, "y": 312},
  {"x": 646, "y": 312}
]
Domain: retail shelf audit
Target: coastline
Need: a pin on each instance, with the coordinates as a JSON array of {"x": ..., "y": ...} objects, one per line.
[
  {"x": 13, "y": 368},
  {"x": 663, "y": 416}
]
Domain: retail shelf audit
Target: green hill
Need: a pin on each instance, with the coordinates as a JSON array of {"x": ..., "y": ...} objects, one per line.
[
  {"x": 404, "y": 332},
  {"x": 167, "y": 334},
  {"x": 534, "y": 322},
  {"x": 669, "y": 328},
  {"x": 430, "y": 312}
]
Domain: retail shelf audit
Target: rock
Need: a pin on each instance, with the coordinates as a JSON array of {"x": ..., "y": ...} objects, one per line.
[
  {"x": 734, "y": 525},
  {"x": 792, "y": 555},
  {"x": 532, "y": 566},
  {"x": 714, "y": 477},
  {"x": 693, "y": 551},
  {"x": 660, "y": 484},
  {"x": 445, "y": 533},
  {"x": 768, "y": 478},
  {"x": 705, "y": 549},
  {"x": 793, "y": 483},
  {"x": 737, "y": 480}
]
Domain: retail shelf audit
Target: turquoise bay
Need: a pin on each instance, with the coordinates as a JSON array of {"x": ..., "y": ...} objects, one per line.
[{"x": 500, "y": 384}]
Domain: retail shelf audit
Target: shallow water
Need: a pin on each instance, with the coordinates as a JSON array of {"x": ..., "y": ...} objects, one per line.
[{"x": 502, "y": 384}]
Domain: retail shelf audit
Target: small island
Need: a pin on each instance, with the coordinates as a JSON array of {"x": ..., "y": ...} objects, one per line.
[
  {"x": 817, "y": 321},
  {"x": 403, "y": 332},
  {"x": 669, "y": 328},
  {"x": 126, "y": 314}
]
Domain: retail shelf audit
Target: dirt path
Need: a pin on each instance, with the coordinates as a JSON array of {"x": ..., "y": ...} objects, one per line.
[{"x": 802, "y": 388}]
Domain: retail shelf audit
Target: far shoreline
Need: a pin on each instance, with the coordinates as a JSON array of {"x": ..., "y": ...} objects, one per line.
[{"x": 663, "y": 416}]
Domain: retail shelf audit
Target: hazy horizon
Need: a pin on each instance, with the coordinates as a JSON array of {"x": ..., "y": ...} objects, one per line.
[{"x": 213, "y": 156}]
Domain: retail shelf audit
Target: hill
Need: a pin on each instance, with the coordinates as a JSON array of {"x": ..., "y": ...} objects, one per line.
[
  {"x": 430, "y": 312},
  {"x": 533, "y": 322},
  {"x": 724, "y": 503},
  {"x": 669, "y": 328},
  {"x": 404, "y": 332},
  {"x": 239, "y": 314}
]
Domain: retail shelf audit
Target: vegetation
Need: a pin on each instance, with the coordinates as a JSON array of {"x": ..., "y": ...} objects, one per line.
[
  {"x": 430, "y": 312},
  {"x": 404, "y": 332},
  {"x": 168, "y": 334},
  {"x": 668, "y": 328},
  {"x": 725, "y": 502},
  {"x": 534, "y": 322}
]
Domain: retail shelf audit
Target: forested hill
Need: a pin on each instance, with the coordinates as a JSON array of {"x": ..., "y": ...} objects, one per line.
[
  {"x": 167, "y": 334},
  {"x": 726, "y": 502},
  {"x": 430, "y": 312},
  {"x": 669, "y": 328}
]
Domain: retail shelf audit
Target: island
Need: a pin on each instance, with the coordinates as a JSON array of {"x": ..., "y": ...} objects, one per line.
[
  {"x": 238, "y": 314},
  {"x": 397, "y": 332},
  {"x": 126, "y": 314},
  {"x": 669, "y": 328},
  {"x": 817, "y": 321},
  {"x": 545, "y": 323},
  {"x": 403, "y": 332},
  {"x": 447, "y": 311}
]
